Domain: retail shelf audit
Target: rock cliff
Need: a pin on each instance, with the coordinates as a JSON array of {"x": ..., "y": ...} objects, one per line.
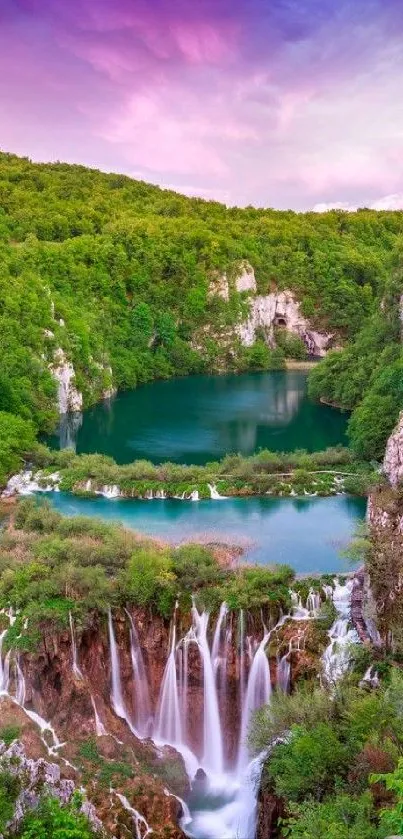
[{"x": 393, "y": 462}]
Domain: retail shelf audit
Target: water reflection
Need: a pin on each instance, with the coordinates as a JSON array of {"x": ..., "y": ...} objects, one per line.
[{"x": 199, "y": 419}]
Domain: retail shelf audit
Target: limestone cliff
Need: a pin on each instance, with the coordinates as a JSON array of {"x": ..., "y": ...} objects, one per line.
[
  {"x": 268, "y": 311},
  {"x": 393, "y": 462}
]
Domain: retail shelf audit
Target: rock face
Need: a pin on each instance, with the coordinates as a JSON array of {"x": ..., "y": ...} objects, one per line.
[
  {"x": 37, "y": 776},
  {"x": 281, "y": 309},
  {"x": 68, "y": 397},
  {"x": 242, "y": 281},
  {"x": 393, "y": 462}
]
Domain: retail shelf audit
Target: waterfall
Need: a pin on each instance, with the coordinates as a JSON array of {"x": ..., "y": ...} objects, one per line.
[
  {"x": 194, "y": 495},
  {"x": 242, "y": 655},
  {"x": 284, "y": 673},
  {"x": 117, "y": 700},
  {"x": 5, "y": 673},
  {"x": 213, "y": 755},
  {"x": 20, "y": 691},
  {"x": 76, "y": 670},
  {"x": 100, "y": 729},
  {"x": 214, "y": 494},
  {"x": 184, "y": 686},
  {"x": 2, "y": 667},
  {"x": 217, "y": 639},
  {"x": 258, "y": 693},
  {"x": 169, "y": 724},
  {"x": 142, "y": 705},
  {"x": 138, "y": 820},
  {"x": 336, "y": 657},
  {"x": 313, "y": 602}
]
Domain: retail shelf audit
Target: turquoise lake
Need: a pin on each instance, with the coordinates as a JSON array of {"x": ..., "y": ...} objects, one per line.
[
  {"x": 202, "y": 418},
  {"x": 307, "y": 534}
]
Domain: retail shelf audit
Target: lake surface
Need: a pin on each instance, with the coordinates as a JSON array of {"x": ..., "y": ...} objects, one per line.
[
  {"x": 307, "y": 534},
  {"x": 201, "y": 418}
]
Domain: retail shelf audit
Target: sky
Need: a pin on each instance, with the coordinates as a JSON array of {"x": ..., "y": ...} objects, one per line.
[{"x": 275, "y": 103}]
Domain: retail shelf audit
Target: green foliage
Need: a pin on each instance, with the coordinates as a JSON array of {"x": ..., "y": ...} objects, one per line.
[
  {"x": 52, "y": 820},
  {"x": 291, "y": 344},
  {"x": 341, "y": 817},
  {"x": 9, "y": 733},
  {"x": 391, "y": 818},
  {"x": 308, "y": 763},
  {"x": 9, "y": 791},
  {"x": 118, "y": 274},
  {"x": 367, "y": 376},
  {"x": 17, "y": 437}
]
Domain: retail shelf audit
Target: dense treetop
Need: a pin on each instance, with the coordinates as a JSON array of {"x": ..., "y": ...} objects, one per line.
[{"x": 116, "y": 272}]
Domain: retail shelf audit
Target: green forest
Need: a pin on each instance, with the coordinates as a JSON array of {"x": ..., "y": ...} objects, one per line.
[{"x": 116, "y": 272}]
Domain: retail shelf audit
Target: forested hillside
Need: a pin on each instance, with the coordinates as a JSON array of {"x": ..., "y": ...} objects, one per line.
[{"x": 116, "y": 273}]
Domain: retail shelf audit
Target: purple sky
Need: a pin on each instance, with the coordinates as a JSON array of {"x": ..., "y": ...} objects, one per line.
[{"x": 282, "y": 103}]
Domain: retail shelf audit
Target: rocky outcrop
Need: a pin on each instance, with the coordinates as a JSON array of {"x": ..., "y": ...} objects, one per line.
[
  {"x": 69, "y": 397},
  {"x": 241, "y": 279},
  {"x": 270, "y": 810},
  {"x": 281, "y": 309},
  {"x": 393, "y": 461},
  {"x": 37, "y": 777}
]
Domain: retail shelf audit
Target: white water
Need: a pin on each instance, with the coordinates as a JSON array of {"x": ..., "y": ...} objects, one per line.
[
  {"x": 213, "y": 752},
  {"x": 284, "y": 673},
  {"x": 258, "y": 693},
  {"x": 214, "y": 494},
  {"x": 76, "y": 669},
  {"x": 336, "y": 657},
  {"x": 169, "y": 723},
  {"x": 117, "y": 700},
  {"x": 100, "y": 729},
  {"x": 142, "y": 703},
  {"x": 139, "y": 821}
]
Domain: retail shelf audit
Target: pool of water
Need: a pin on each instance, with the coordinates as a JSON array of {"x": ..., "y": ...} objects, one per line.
[
  {"x": 202, "y": 418},
  {"x": 305, "y": 533}
]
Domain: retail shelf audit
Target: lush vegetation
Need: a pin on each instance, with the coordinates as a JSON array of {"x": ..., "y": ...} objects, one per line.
[
  {"x": 51, "y": 565},
  {"x": 367, "y": 375},
  {"x": 336, "y": 760},
  {"x": 118, "y": 274},
  {"x": 292, "y": 473}
]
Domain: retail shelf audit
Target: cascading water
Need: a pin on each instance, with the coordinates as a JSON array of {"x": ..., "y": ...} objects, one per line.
[
  {"x": 284, "y": 673},
  {"x": 258, "y": 693},
  {"x": 213, "y": 752},
  {"x": 117, "y": 700},
  {"x": 76, "y": 669},
  {"x": 142, "y": 703},
  {"x": 169, "y": 723},
  {"x": 337, "y": 655}
]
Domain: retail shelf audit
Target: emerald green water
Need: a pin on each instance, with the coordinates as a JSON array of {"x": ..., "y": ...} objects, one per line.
[
  {"x": 202, "y": 418},
  {"x": 305, "y": 533}
]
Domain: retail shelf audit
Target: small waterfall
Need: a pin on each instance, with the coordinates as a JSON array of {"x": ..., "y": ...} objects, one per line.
[
  {"x": 140, "y": 825},
  {"x": 194, "y": 495},
  {"x": 20, "y": 690},
  {"x": 242, "y": 655},
  {"x": 284, "y": 673},
  {"x": 213, "y": 755},
  {"x": 5, "y": 674},
  {"x": 100, "y": 729},
  {"x": 117, "y": 700},
  {"x": 336, "y": 657},
  {"x": 76, "y": 670},
  {"x": 2, "y": 674},
  {"x": 142, "y": 705},
  {"x": 214, "y": 494},
  {"x": 258, "y": 693},
  {"x": 184, "y": 686},
  {"x": 169, "y": 724},
  {"x": 313, "y": 602},
  {"x": 217, "y": 640}
]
